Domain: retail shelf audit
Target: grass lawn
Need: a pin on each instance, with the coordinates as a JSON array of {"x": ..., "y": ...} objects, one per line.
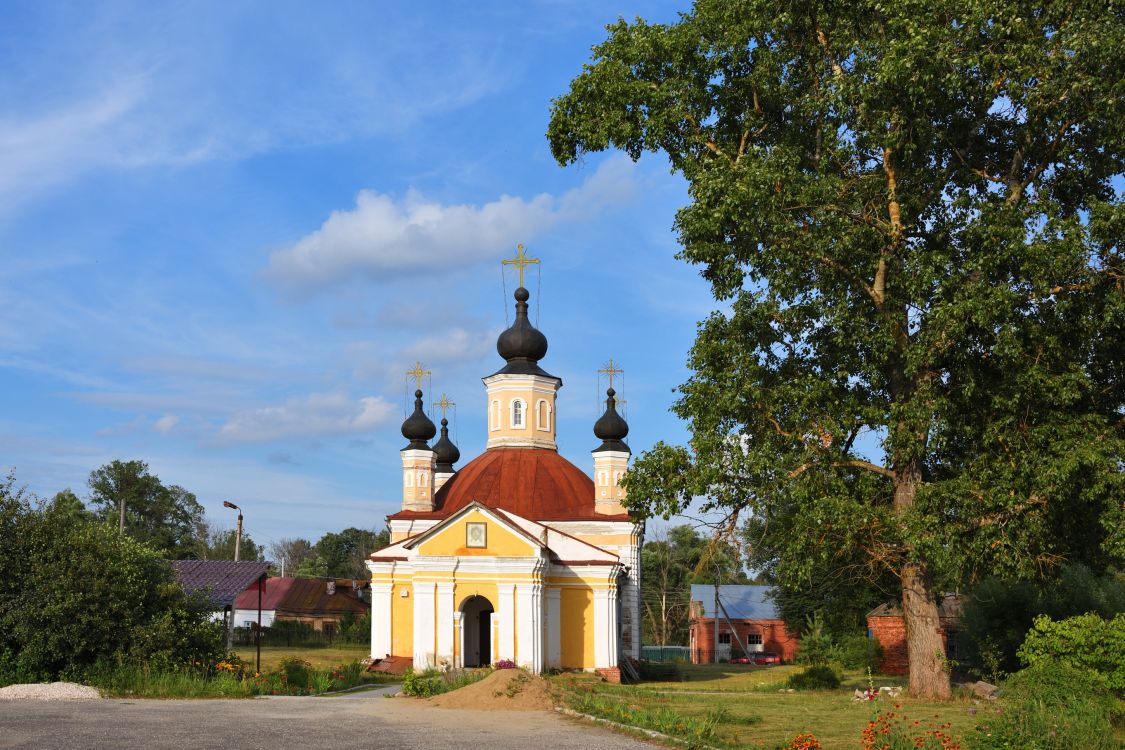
[
  {"x": 752, "y": 713},
  {"x": 320, "y": 657}
]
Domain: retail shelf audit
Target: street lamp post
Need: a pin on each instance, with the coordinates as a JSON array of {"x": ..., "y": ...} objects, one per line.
[
  {"x": 237, "y": 545},
  {"x": 238, "y": 536}
]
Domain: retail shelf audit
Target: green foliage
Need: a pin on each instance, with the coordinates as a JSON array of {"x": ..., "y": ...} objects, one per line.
[
  {"x": 858, "y": 652},
  {"x": 344, "y": 554},
  {"x": 168, "y": 518},
  {"x": 997, "y": 614},
  {"x": 816, "y": 645},
  {"x": 1050, "y": 707},
  {"x": 219, "y": 545},
  {"x": 76, "y": 593},
  {"x": 816, "y": 677},
  {"x": 908, "y": 214},
  {"x": 1086, "y": 642}
]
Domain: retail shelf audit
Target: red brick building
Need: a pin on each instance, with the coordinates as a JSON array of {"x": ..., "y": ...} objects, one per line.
[
  {"x": 886, "y": 625},
  {"x": 746, "y": 614}
]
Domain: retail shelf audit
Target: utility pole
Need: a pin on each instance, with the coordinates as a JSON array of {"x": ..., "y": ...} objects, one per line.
[{"x": 237, "y": 544}]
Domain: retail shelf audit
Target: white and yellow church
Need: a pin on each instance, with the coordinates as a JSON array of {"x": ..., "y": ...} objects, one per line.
[{"x": 518, "y": 555}]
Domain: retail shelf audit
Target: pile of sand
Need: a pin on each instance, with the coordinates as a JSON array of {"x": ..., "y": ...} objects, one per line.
[
  {"x": 506, "y": 689},
  {"x": 53, "y": 691}
]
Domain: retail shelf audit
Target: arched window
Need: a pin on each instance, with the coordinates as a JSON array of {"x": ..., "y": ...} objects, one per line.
[
  {"x": 408, "y": 478},
  {"x": 496, "y": 415},
  {"x": 421, "y": 480},
  {"x": 542, "y": 415},
  {"x": 517, "y": 413}
]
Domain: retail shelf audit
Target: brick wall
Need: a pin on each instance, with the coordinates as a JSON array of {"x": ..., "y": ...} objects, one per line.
[
  {"x": 890, "y": 631},
  {"x": 775, "y": 637}
]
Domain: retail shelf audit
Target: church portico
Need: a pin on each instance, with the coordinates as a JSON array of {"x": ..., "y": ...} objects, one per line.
[{"x": 519, "y": 555}]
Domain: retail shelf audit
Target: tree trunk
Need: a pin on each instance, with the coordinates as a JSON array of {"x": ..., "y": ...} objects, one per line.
[{"x": 925, "y": 650}]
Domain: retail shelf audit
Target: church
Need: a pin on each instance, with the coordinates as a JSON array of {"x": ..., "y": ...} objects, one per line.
[{"x": 518, "y": 555}]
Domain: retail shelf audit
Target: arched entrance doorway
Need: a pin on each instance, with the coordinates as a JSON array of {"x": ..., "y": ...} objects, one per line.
[{"x": 476, "y": 632}]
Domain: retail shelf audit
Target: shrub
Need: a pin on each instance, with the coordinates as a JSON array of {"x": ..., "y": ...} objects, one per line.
[
  {"x": 816, "y": 643},
  {"x": 432, "y": 682},
  {"x": 997, "y": 614},
  {"x": 1050, "y": 707},
  {"x": 1086, "y": 642},
  {"x": 505, "y": 664},
  {"x": 298, "y": 673},
  {"x": 858, "y": 652},
  {"x": 816, "y": 677}
]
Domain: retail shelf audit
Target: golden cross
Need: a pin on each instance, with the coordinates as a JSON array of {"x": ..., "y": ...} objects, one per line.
[
  {"x": 611, "y": 369},
  {"x": 520, "y": 261},
  {"x": 417, "y": 373},
  {"x": 444, "y": 404}
]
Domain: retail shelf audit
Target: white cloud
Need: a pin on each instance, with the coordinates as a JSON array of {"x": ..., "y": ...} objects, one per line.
[
  {"x": 457, "y": 345},
  {"x": 166, "y": 423},
  {"x": 383, "y": 237},
  {"x": 316, "y": 414}
]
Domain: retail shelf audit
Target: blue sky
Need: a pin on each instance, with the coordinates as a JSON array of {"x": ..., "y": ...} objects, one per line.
[{"x": 228, "y": 229}]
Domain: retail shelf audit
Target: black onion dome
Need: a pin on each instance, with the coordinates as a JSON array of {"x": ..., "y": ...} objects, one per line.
[
  {"x": 610, "y": 427},
  {"x": 418, "y": 428},
  {"x": 522, "y": 345},
  {"x": 445, "y": 451}
]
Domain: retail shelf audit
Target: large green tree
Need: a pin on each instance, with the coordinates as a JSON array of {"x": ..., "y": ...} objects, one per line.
[
  {"x": 344, "y": 553},
  {"x": 168, "y": 518},
  {"x": 907, "y": 210}
]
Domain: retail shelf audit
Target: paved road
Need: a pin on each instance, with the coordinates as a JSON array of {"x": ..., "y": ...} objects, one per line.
[{"x": 358, "y": 720}]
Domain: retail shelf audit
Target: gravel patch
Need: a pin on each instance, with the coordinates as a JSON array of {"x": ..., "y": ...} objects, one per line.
[{"x": 52, "y": 691}]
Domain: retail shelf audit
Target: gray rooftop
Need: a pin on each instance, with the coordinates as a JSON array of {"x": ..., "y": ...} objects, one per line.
[
  {"x": 224, "y": 580},
  {"x": 740, "y": 602}
]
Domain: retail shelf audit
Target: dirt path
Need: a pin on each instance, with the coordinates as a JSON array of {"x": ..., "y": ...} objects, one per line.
[{"x": 365, "y": 720}]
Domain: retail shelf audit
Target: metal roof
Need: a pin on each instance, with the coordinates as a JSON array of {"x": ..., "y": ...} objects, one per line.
[
  {"x": 223, "y": 580},
  {"x": 740, "y": 602}
]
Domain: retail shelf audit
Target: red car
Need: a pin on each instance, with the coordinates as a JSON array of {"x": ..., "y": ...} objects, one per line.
[{"x": 758, "y": 657}]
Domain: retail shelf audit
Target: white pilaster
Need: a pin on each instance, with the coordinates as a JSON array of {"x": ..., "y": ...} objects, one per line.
[
  {"x": 424, "y": 625},
  {"x": 381, "y": 601},
  {"x": 505, "y": 622},
  {"x": 529, "y": 598},
  {"x": 444, "y": 623},
  {"x": 458, "y": 641},
  {"x": 605, "y": 627},
  {"x": 554, "y": 628}
]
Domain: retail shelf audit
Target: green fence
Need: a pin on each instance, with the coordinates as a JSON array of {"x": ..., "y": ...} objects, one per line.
[{"x": 665, "y": 653}]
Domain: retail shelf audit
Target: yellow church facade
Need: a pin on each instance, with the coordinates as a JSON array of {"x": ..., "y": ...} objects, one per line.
[{"x": 519, "y": 555}]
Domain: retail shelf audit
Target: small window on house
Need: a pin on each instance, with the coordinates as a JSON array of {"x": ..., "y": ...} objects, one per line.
[
  {"x": 724, "y": 639},
  {"x": 753, "y": 639},
  {"x": 542, "y": 416},
  {"x": 329, "y": 630},
  {"x": 517, "y": 413},
  {"x": 421, "y": 480}
]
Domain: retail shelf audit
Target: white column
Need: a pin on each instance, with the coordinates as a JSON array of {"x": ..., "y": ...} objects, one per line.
[
  {"x": 505, "y": 622},
  {"x": 554, "y": 628},
  {"x": 458, "y": 641},
  {"x": 381, "y": 602},
  {"x": 530, "y": 608},
  {"x": 444, "y": 623},
  {"x": 424, "y": 625},
  {"x": 605, "y": 627}
]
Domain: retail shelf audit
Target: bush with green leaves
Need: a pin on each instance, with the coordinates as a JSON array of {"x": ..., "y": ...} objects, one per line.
[
  {"x": 816, "y": 677},
  {"x": 77, "y": 592},
  {"x": 858, "y": 652},
  {"x": 1049, "y": 707},
  {"x": 997, "y": 614},
  {"x": 1087, "y": 642}
]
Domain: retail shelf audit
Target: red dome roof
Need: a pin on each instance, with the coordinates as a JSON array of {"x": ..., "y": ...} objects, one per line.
[{"x": 536, "y": 483}]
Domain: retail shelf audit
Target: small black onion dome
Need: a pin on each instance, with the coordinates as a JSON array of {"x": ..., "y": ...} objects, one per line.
[
  {"x": 418, "y": 428},
  {"x": 445, "y": 451},
  {"x": 522, "y": 345},
  {"x": 610, "y": 427}
]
